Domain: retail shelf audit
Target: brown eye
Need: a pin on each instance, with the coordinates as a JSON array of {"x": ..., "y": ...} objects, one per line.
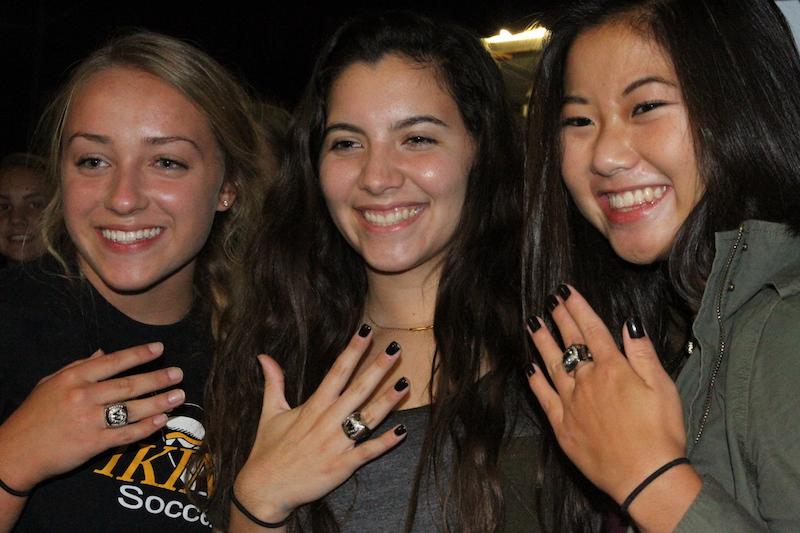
[
  {"x": 578, "y": 122},
  {"x": 646, "y": 106}
]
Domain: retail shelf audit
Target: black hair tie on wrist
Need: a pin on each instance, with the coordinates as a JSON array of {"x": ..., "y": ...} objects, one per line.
[
  {"x": 249, "y": 515},
  {"x": 649, "y": 479},
  {"x": 13, "y": 492}
]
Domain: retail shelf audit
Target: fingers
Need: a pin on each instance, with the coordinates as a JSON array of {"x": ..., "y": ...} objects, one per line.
[
  {"x": 338, "y": 376},
  {"x": 592, "y": 329},
  {"x": 547, "y": 397},
  {"x": 364, "y": 385},
  {"x": 569, "y": 330},
  {"x": 100, "y": 368},
  {"x": 134, "y": 432},
  {"x": 274, "y": 396},
  {"x": 125, "y": 388},
  {"x": 373, "y": 413},
  {"x": 551, "y": 353},
  {"x": 154, "y": 405},
  {"x": 373, "y": 448},
  {"x": 641, "y": 354}
]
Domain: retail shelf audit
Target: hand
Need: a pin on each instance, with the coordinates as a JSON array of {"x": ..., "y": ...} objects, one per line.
[
  {"x": 618, "y": 418},
  {"x": 61, "y": 424},
  {"x": 301, "y": 454}
]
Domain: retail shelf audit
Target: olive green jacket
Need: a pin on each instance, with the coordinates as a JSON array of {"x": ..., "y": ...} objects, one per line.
[{"x": 746, "y": 445}]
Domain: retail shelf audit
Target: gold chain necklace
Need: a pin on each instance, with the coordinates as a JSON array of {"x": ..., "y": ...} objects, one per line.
[{"x": 414, "y": 330}]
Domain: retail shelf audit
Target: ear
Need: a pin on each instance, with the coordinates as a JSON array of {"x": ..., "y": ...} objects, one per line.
[{"x": 227, "y": 195}]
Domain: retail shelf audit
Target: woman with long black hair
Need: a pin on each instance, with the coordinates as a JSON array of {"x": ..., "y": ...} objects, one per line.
[
  {"x": 400, "y": 204},
  {"x": 664, "y": 173}
]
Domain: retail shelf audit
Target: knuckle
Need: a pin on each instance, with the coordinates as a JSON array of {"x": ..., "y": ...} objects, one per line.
[
  {"x": 342, "y": 368},
  {"x": 76, "y": 396},
  {"x": 593, "y": 329}
]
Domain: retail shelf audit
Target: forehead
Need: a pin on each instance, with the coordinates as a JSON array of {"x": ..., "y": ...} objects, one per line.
[
  {"x": 394, "y": 83},
  {"x": 124, "y": 97},
  {"x": 612, "y": 55},
  {"x": 21, "y": 180}
]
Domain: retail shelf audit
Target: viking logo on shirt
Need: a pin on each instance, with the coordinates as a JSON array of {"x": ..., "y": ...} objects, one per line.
[{"x": 161, "y": 464}]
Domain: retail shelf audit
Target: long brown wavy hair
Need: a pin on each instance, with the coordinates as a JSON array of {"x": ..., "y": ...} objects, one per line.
[
  {"x": 229, "y": 111},
  {"x": 305, "y": 288}
]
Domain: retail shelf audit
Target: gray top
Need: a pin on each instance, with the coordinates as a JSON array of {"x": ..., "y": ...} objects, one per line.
[
  {"x": 376, "y": 497},
  {"x": 748, "y": 452}
]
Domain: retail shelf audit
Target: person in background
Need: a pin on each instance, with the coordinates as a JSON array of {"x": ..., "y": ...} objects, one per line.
[
  {"x": 23, "y": 196},
  {"x": 664, "y": 177}
]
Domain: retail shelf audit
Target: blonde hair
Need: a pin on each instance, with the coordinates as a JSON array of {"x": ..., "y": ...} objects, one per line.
[{"x": 229, "y": 111}]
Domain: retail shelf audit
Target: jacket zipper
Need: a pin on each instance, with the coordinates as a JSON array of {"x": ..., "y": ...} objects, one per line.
[{"x": 722, "y": 340}]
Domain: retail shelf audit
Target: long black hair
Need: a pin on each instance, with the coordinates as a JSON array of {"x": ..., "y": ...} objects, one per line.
[
  {"x": 739, "y": 74},
  {"x": 306, "y": 287}
]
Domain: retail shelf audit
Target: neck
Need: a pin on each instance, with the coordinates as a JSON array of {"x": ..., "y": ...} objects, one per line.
[
  {"x": 405, "y": 300},
  {"x": 166, "y": 302}
]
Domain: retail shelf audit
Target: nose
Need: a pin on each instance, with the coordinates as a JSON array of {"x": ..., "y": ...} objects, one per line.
[
  {"x": 380, "y": 172},
  {"x": 18, "y": 216},
  {"x": 613, "y": 151},
  {"x": 125, "y": 194}
]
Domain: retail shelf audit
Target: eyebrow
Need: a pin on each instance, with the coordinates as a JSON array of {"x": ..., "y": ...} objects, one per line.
[
  {"x": 572, "y": 99},
  {"x": 405, "y": 123},
  {"x": 644, "y": 81},
  {"x": 156, "y": 141}
]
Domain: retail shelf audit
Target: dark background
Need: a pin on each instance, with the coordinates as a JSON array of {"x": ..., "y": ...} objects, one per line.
[{"x": 269, "y": 45}]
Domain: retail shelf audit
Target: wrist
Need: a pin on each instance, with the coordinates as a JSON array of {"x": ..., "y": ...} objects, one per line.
[
  {"x": 269, "y": 523},
  {"x": 253, "y": 503},
  {"x": 662, "y": 503},
  {"x": 17, "y": 471}
]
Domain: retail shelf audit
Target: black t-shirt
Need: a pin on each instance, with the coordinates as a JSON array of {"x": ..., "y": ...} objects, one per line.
[{"x": 46, "y": 322}]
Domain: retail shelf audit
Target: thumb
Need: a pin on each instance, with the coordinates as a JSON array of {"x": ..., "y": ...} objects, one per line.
[
  {"x": 274, "y": 397},
  {"x": 641, "y": 354}
]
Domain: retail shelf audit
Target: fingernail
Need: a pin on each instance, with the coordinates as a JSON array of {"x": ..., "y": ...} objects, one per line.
[
  {"x": 176, "y": 396},
  {"x": 533, "y": 324},
  {"x": 530, "y": 370},
  {"x": 401, "y": 385},
  {"x": 635, "y": 329},
  {"x": 160, "y": 420},
  {"x": 400, "y": 430},
  {"x": 364, "y": 330},
  {"x": 155, "y": 348},
  {"x": 174, "y": 373},
  {"x": 393, "y": 348},
  {"x": 563, "y": 291},
  {"x": 551, "y": 302}
]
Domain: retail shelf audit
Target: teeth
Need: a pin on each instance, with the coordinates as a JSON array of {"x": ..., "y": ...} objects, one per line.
[
  {"x": 127, "y": 237},
  {"x": 391, "y": 218},
  {"x": 636, "y": 197}
]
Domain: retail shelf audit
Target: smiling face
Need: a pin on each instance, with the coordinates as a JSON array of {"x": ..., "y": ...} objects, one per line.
[
  {"x": 628, "y": 158},
  {"x": 22, "y": 198},
  {"x": 142, "y": 178},
  {"x": 394, "y": 163}
]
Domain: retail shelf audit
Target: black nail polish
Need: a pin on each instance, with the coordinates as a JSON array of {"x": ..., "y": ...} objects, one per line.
[
  {"x": 563, "y": 291},
  {"x": 530, "y": 370},
  {"x": 401, "y": 385},
  {"x": 393, "y": 348},
  {"x": 551, "y": 302},
  {"x": 364, "y": 330},
  {"x": 635, "y": 328},
  {"x": 400, "y": 430},
  {"x": 533, "y": 324}
]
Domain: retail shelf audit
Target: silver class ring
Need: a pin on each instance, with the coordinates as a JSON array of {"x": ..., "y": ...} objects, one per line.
[
  {"x": 116, "y": 415},
  {"x": 354, "y": 428},
  {"x": 575, "y": 354}
]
